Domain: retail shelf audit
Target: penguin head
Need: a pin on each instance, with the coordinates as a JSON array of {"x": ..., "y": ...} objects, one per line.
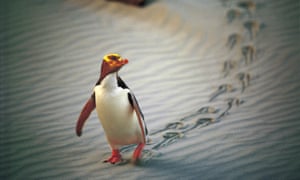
[{"x": 112, "y": 63}]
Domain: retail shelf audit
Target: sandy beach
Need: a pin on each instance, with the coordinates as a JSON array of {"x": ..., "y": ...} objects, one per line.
[{"x": 217, "y": 81}]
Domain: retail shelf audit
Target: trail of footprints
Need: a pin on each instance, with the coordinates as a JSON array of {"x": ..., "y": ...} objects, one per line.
[{"x": 241, "y": 12}]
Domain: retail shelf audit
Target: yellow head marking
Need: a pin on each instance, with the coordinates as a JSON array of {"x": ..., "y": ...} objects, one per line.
[{"x": 111, "y": 57}]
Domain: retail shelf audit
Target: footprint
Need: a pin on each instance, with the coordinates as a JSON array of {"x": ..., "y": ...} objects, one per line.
[
  {"x": 233, "y": 14},
  {"x": 169, "y": 138},
  {"x": 253, "y": 27},
  {"x": 147, "y": 156},
  {"x": 230, "y": 102},
  {"x": 201, "y": 122},
  {"x": 228, "y": 66},
  {"x": 173, "y": 125},
  {"x": 244, "y": 78},
  {"x": 202, "y": 110},
  {"x": 249, "y": 53},
  {"x": 233, "y": 40},
  {"x": 222, "y": 89},
  {"x": 250, "y": 6},
  {"x": 207, "y": 110}
]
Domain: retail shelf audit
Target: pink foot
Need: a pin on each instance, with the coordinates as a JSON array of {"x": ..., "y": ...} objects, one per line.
[
  {"x": 115, "y": 157},
  {"x": 137, "y": 153}
]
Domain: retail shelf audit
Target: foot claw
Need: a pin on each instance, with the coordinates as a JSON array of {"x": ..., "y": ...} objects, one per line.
[{"x": 114, "y": 158}]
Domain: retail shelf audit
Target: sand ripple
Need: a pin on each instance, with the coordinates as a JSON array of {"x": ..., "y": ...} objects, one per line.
[{"x": 218, "y": 82}]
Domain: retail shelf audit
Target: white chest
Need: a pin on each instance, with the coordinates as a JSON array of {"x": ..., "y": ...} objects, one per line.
[
  {"x": 116, "y": 115},
  {"x": 112, "y": 106}
]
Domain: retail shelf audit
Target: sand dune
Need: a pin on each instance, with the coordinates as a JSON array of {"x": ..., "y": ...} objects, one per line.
[{"x": 218, "y": 82}]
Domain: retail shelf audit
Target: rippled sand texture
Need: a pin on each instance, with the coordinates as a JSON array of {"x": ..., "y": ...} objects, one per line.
[{"x": 218, "y": 82}]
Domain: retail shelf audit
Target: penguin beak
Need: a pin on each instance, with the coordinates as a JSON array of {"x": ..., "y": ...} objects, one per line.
[{"x": 124, "y": 61}]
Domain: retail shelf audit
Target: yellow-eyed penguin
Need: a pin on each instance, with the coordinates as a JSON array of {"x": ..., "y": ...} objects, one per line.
[{"x": 117, "y": 109}]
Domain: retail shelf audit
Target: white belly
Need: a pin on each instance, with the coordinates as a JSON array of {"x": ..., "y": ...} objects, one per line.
[{"x": 118, "y": 119}]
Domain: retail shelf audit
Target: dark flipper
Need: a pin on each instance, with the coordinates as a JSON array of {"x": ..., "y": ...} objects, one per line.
[
  {"x": 134, "y": 104},
  {"x": 85, "y": 113}
]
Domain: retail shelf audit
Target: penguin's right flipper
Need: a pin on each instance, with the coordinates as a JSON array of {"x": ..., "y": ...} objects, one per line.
[{"x": 85, "y": 113}]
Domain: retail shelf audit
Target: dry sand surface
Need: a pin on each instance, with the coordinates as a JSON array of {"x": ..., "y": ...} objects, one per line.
[{"x": 218, "y": 82}]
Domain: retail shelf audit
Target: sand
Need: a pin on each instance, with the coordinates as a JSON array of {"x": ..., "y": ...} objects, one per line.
[{"x": 218, "y": 82}]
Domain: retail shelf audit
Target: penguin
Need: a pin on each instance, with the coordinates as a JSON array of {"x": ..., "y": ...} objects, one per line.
[{"x": 117, "y": 109}]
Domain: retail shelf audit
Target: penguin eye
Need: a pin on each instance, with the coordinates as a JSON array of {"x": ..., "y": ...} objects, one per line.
[{"x": 114, "y": 58}]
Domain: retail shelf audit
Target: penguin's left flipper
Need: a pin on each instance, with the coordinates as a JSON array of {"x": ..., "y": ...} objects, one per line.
[
  {"x": 135, "y": 106},
  {"x": 85, "y": 113}
]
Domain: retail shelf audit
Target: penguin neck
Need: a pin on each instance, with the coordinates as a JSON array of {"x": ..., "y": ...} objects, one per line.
[{"x": 110, "y": 81}]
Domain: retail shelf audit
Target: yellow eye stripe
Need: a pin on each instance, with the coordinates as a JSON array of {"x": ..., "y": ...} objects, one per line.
[{"x": 112, "y": 57}]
